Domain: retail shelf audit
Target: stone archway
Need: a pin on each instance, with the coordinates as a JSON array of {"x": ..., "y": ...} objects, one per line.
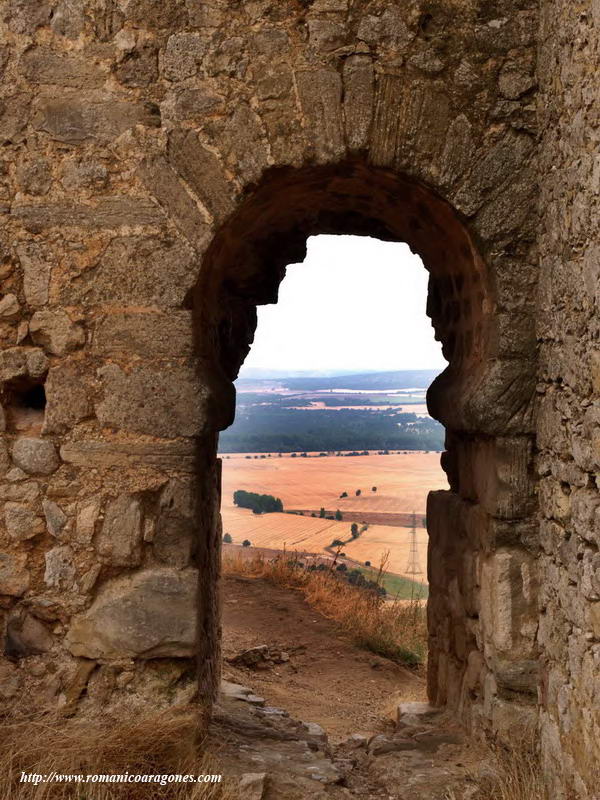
[{"x": 482, "y": 602}]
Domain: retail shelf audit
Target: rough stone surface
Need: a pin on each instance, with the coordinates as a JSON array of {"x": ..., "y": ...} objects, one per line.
[
  {"x": 35, "y": 456},
  {"x": 55, "y": 332},
  {"x": 119, "y": 541},
  {"x": 14, "y": 576},
  {"x": 164, "y": 163},
  {"x": 149, "y": 615}
]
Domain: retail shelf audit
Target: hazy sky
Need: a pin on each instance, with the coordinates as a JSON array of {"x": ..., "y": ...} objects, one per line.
[{"x": 354, "y": 303}]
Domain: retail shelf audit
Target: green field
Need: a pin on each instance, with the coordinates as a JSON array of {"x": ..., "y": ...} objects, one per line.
[{"x": 397, "y": 586}]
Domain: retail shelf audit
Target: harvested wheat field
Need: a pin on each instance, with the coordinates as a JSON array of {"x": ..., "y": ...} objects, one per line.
[
  {"x": 402, "y": 480},
  {"x": 306, "y": 534}
]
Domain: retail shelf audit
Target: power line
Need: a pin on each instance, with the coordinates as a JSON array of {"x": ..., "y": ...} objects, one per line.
[{"x": 413, "y": 567}]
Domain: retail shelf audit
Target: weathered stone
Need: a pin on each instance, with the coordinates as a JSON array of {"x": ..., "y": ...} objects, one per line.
[
  {"x": 85, "y": 174},
  {"x": 68, "y": 19},
  {"x": 141, "y": 271},
  {"x": 150, "y": 614},
  {"x": 88, "y": 512},
  {"x": 120, "y": 539},
  {"x": 44, "y": 65},
  {"x": 321, "y": 95},
  {"x": 56, "y": 518},
  {"x": 67, "y": 398},
  {"x": 253, "y": 785},
  {"x": 25, "y": 16},
  {"x": 35, "y": 456},
  {"x": 26, "y": 636},
  {"x": 17, "y": 362},
  {"x": 36, "y": 177},
  {"x": 9, "y": 306},
  {"x": 149, "y": 401},
  {"x": 202, "y": 170},
  {"x": 36, "y": 273},
  {"x": 173, "y": 539},
  {"x": 21, "y": 522},
  {"x": 100, "y": 117},
  {"x": 183, "y": 55},
  {"x": 359, "y": 84},
  {"x": 55, "y": 332},
  {"x": 160, "y": 179},
  {"x": 139, "y": 66},
  {"x": 148, "y": 334},
  {"x": 114, "y": 213},
  {"x": 14, "y": 575},
  {"x": 60, "y": 570}
]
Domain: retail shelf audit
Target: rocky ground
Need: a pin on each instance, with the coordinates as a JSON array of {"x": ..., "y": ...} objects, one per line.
[{"x": 305, "y": 713}]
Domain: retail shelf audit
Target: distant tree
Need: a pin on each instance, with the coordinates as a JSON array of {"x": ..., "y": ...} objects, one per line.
[
  {"x": 303, "y": 455},
  {"x": 367, "y": 563},
  {"x": 357, "y": 492},
  {"x": 341, "y": 568},
  {"x": 294, "y": 455},
  {"x": 280, "y": 455},
  {"x": 344, "y": 494},
  {"x": 322, "y": 513},
  {"x": 313, "y": 514},
  {"x": 338, "y": 515},
  {"x": 373, "y": 488},
  {"x": 337, "y": 543},
  {"x": 246, "y": 543},
  {"x": 227, "y": 538},
  {"x": 259, "y": 503},
  {"x": 354, "y": 530}
]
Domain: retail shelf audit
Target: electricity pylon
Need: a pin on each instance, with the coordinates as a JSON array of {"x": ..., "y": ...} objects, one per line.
[{"x": 413, "y": 567}]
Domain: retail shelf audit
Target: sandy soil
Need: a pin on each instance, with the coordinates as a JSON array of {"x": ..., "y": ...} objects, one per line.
[{"x": 328, "y": 679}]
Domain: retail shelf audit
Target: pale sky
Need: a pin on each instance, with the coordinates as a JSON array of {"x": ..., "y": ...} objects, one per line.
[{"x": 355, "y": 303}]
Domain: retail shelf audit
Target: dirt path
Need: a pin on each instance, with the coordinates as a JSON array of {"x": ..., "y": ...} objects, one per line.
[{"x": 328, "y": 679}]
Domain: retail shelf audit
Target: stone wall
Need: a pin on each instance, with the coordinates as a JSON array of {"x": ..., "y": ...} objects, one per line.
[
  {"x": 568, "y": 432},
  {"x": 162, "y": 162}
]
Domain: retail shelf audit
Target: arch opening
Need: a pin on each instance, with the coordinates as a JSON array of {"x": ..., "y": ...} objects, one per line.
[{"x": 244, "y": 267}]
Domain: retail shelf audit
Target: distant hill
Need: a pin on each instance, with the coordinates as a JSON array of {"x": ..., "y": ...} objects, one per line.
[{"x": 399, "y": 379}]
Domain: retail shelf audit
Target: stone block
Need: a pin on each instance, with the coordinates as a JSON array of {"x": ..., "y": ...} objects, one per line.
[
  {"x": 173, "y": 539},
  {"x": 26, "y": 636},
  {"x": 138, "y": 66},
  {"x": 140, "y": 271},
  {"x": 14, "y": 575},
  {"x": 35, "y": 456},
  {"x": 36, "y": 265},
  {"x": 157, "y": 402},
  {"x": 88, "y": 512},
  {"x": 359, "y": 85},
  {"x": 22, "y": 522},
  {"x": 120, "y": 539},
  {"x": 26, "y": 16},
  {"x": 55, "y": 332},
  {"x": 164, "y": 184},
  {"x": 71, "y": 118},
  {"x": 253, "y": 785},
  {"x": 9, "y": 306},
  {"x": 67, "y": 397},
  {"x": 19, "y": 362},
  {"x": 203, "y": 171},
  {"x": 180, "y": 456},
  {"x": 241, "y": 140},
  {"x": 148, "y": 334},
  {"x": 191, "y": 104},
  {"x": 44, "y": 65},
  {"x": 60, "y": 570},
  {"x": 35, "y": 176},
  {"x": 320, "y": 93},
  {"x": 111, "y": 213},
  {"x": 183, "y": 55},
  {"x": 56, "y": 519},
  {"x": 149, "y": 614}
]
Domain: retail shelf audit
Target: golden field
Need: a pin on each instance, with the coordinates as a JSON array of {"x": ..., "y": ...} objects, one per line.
[{"x": 402, "y": 481}]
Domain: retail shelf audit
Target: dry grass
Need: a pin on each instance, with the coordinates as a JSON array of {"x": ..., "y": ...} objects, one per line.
[
  {"x": 394, "y": 629},
  {"x": 161, "y": 743},
  {"x": 512, "y": 773}
]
